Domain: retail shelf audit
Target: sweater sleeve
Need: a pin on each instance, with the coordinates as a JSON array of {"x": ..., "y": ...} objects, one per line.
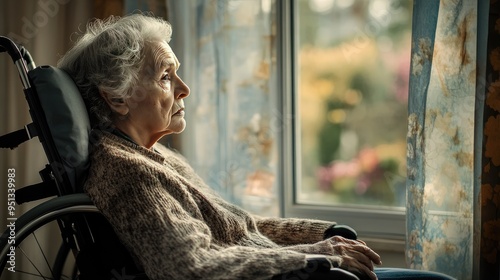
[
  {"x": 292, "y": 231},
  {"x": 283, "y": 231},
  {"x": 168, "y": 241}
]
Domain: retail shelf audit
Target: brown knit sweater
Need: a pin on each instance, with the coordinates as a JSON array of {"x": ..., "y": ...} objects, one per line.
[{"x": 178, "y": 228}]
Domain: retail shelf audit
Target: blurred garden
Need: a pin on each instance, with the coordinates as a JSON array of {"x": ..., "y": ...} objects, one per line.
[{"x": 353, "y": 67}]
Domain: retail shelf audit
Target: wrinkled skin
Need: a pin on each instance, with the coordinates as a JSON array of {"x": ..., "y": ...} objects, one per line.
[{"x": 354, "y": 256}]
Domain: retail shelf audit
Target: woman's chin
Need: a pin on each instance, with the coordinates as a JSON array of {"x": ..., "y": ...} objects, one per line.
[{"x": 179, "y": 127}]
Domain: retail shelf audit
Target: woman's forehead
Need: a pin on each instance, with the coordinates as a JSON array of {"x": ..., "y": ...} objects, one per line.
[{"x": 161, "y": 56}]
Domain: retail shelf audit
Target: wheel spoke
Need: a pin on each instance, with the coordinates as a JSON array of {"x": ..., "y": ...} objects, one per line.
[
  {"x": 32, "y": 274},
  {"x": 33, "y": 264},
  {"x": 34, "y": 223},
  {"x": 38, "y": 275},
  {"x": 43, "y": 254}
]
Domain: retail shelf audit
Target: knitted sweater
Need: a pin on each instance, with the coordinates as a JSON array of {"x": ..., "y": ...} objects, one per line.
[{"x": 179, "y": 228}]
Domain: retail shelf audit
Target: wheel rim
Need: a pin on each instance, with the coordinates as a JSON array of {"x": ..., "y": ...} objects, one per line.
[{"x": 32, "y": 261}]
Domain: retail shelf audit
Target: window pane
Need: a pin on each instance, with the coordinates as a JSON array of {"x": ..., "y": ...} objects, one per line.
[{"x": 353, "y": 62}]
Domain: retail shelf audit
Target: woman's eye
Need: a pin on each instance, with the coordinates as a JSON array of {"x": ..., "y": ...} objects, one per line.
[
  {"x": 165, "y": 82},
  {"x": 165, "y": 77}
]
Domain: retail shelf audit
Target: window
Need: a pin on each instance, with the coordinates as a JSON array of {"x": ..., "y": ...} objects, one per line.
[
  {"x": 339, "y": 71},
  {"x": 349, "y": 62}
]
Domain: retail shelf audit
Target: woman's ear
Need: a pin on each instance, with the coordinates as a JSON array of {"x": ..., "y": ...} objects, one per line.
[{"x": 118, "y": 105}]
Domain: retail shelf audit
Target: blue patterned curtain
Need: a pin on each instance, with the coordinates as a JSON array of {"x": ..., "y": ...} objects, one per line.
[
  {"x": 232, "y": 121},
  {"x": 446, "y": 156}
]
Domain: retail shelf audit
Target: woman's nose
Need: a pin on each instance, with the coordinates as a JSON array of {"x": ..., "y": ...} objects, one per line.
[{"x": 181, "y": 90}]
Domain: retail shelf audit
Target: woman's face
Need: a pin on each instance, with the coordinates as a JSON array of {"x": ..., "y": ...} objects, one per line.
[{"x": 156, "y": 107}]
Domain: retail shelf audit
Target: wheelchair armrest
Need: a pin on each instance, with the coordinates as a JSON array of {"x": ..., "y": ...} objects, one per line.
[
  {"x": 318, "y": 268},
  {"x": 318, "y": 264},
  {"x": 341, "y": 230}
]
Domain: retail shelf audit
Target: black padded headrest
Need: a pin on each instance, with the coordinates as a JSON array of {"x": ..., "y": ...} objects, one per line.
[{"x": 67, "y": 120}]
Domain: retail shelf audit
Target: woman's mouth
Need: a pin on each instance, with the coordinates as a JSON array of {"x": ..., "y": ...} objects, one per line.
[{"x": 179, "y": 112}]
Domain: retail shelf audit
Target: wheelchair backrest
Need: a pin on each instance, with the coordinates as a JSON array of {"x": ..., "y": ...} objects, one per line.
[
  {"x": 101, "y": 255},
  {"x": 60, "y": 121},
  {"x": 63, "y": 118}
]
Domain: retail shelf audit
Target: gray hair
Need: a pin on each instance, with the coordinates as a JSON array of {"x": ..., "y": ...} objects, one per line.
[{"x": 108, "y": 58}]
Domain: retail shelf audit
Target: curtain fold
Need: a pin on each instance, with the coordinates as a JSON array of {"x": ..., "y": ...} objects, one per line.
[
  {"x": 423, "y": 34},
  {"x": 453, "y": 141}
]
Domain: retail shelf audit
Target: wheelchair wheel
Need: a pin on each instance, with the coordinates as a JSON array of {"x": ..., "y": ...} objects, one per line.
[{"x": 34, "y": 254}]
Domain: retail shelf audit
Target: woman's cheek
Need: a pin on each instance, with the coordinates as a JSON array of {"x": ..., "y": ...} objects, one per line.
[{"x": 166, "y": 86}]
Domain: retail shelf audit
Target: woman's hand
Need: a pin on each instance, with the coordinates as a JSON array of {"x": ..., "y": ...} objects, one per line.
[{"x": 355, "y": 256}]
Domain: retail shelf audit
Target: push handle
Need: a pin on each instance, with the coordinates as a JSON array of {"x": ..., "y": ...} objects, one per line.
[
  {"x": 27, "y": 58},
  {"x": 7, "y": 45},
  {"x": 16, "y": 51},
  {"x": 22, "y": 59}
]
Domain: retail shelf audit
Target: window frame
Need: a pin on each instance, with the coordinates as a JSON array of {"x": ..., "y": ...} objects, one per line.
[{"x": 381, "y": 227}]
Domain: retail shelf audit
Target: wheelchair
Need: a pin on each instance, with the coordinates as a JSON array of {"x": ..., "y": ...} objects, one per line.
[{"x": 88, "y": 248}]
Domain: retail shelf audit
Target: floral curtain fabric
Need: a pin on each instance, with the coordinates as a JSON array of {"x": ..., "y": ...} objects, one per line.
[
  {"x": 449, "y": 145},
  {"x": 232, "y": 121}
]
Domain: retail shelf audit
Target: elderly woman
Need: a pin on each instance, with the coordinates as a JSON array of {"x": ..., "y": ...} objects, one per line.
[{"x": 172, "y": 222}]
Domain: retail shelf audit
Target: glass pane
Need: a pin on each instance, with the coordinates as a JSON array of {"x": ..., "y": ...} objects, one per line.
[{"x": 353, "y": 66}]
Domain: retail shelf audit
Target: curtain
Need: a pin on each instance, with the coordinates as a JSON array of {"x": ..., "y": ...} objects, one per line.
[
  {"x": 232, "y": 122},
  {"x": 453, "y": 160}
]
